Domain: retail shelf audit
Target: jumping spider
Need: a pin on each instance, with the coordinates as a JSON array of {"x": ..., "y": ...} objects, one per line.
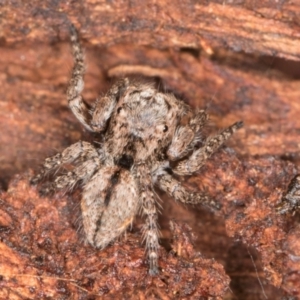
[
  {"x": 147, "y": 138},
  {"x": 291, "y": 199}
]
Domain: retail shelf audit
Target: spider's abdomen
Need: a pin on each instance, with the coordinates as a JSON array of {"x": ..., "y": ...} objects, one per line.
[{"x": 109, "y": 204}]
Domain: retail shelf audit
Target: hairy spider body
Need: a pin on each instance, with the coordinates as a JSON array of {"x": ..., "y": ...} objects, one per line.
[{"x": 143, "y": 131}]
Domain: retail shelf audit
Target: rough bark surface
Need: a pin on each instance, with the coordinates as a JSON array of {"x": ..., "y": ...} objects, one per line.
[
  {"x": 241, "y": 59},
  {"x": 42, "y": 257}
]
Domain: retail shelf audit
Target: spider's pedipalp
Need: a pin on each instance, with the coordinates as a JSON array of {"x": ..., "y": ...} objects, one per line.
[
  {"x": 199, "y": 120},
  {"x": 181, "y": 142},
  {"x": 104, "y": 106},
  {"x": 186, "y": 135}
]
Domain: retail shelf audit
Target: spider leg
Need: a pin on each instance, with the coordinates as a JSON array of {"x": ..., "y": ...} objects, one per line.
[
  {"x": 79, "y": 107},
  {"x": 148, "y": 205},
  {"x": 92, "y": 118},
  {"x": 198, "y": 157},
  {"x": 174, "y": 188},
  {"x": 82, "y": 150},
  {"x": 83, "y": 172}
]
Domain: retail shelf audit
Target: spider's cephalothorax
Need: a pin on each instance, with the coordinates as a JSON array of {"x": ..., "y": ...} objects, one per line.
[{"x": 143, "y": 131}]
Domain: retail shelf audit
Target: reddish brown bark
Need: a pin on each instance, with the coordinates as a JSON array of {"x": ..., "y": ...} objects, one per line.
[
  {"x": 239, "y": 58},
  {"x": 42, "y": 257}
]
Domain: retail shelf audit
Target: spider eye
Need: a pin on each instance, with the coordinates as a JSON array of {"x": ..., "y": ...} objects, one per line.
[
  {"x": 165, "y": 128},
  {"x": 119, "y": 109}
]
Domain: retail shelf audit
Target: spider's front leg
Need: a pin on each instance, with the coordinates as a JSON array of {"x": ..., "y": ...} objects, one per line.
[
  {"x": 148, "y": 204},
  {"x": 93, "y": 118},
  {"x": 194, "y": 162},
  {"x": 174, "y": 188},
  {"x": 79, "y": 107}
]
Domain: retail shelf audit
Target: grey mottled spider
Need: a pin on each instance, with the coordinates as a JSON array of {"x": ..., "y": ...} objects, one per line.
[
  {"x": 147, "y": 138},
  {"x": 291, "y": 199}
]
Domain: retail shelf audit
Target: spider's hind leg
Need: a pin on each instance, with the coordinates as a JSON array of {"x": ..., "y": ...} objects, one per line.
[
  {"x": 80, "y": 150},
  {"x": 174, "y": 188},
  {"x": 148, "y": 204},
  {"x": 68, "y": 181}
]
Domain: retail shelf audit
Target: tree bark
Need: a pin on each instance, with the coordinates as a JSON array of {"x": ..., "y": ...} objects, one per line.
[{"x": 240, "y": 59}]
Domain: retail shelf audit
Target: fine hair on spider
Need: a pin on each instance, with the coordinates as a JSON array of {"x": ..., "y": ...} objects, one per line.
[{"x": 148, "y": 140}]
